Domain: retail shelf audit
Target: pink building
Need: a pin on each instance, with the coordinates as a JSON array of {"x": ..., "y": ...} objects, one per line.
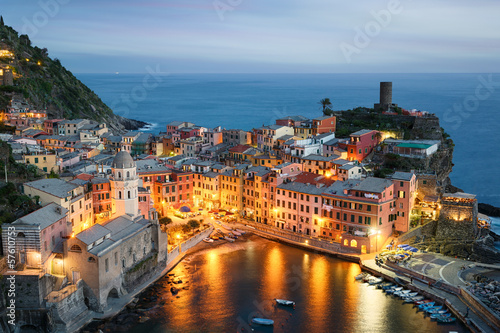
[
  {"x": 360, "y": 144},
  {"x": 405, "y": 186}
]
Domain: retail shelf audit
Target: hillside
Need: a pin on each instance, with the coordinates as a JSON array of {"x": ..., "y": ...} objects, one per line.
[
  {"x": 408, "y": 128},
  {"x": 46, "y": 84}
]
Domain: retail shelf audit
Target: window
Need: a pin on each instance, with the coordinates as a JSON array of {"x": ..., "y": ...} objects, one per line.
[
  {"x": 360, "y": 219},
  {"x": 124, "y": 263},
  {"x": 401, "y": 194},
  {"x": 119, "y": 194},
  {"x": 424, "y": 182},
  {"x": 76, "y": 248},
  {"x": 107, "y": 195},
  {"x": 354, "y": 243},
  {"x": 380, "y": 221},
  {"x": 352, "y": 218}
]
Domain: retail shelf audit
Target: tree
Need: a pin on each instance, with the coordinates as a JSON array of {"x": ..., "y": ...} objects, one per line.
[
  {"x": 193, "y": 224},
  {"x": 52, "y": 174},
  {"x": 164, "y": 221},
  {"x": 325, "y": 104},
  {"x": 1, "y": 21}
]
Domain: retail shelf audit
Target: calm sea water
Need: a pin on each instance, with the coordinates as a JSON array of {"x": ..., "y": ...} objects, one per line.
[
  {"x": 231, "y": 283},
  {"x": 250, "y": 100}
]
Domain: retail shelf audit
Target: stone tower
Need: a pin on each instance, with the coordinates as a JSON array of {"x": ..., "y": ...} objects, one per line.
[
  {"x": 124, "y": 185},
  {"x": 385, "y": 97}
]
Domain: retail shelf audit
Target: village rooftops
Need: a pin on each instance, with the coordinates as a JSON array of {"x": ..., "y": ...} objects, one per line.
[
  {"x": 314, "y": 157},
  {"x": 175, "y": 123},
  {"x": 43, "y": 217},
  {"x": 99, "y": 180},
  {"x": 211, "y": 174},
  {"x": 53, "y": 186},
  {"x": 281, "y": 166},
  {"x": 285, "y": 137},
  {"x": 372, "y": 184},
  {"x": 347, "y": 166},
  {"x": 312, "y": 178},
  {"x": 314, "y": 189},
  {"x": 402, "y": 175},
  {"x": 239, "y": 148},
  {"x": 218, "y": 166},
  {"x": 323, "y": 118},
  {"x": 459, "y": 195},
  {"x": 150, "y": 166},
  {"x": 341, "y": 162},
  {"x": 110, "y": 234},
  {"x": 361, "y": 132}
]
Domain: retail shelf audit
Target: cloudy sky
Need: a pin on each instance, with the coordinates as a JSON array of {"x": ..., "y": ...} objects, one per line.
[{"x": 257, "y": 36}]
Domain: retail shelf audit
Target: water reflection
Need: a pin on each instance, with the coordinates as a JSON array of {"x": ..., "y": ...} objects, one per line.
[{"x": 234, "y": 282}]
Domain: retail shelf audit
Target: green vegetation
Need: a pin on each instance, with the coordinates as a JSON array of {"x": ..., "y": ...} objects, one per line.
[
  {"x": 326, "y": 106},
  {"x": 164, "y": 221},
  {"x": 13, "y": 204},
  {"x": 46, "y": 84}
]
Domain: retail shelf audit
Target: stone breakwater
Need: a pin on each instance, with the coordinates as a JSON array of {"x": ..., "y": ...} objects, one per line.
[{"x": 487, "y": 291}]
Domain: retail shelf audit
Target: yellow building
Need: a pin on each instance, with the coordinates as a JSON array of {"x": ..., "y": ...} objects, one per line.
[
  {"x": 70, "y": 196},
  {"x": 46, "y": 163}
]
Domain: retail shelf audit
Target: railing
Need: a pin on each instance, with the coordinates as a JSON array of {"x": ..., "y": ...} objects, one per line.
[{"x": 300, "y": 238}]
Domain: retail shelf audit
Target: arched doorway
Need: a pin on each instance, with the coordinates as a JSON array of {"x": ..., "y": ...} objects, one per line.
[
  {"x": 363, "y": 249},
  {"x": 113, "y": 293}
]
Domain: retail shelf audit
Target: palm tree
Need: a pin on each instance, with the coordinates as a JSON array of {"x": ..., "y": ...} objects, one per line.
[{"x": 325, "y": 104}]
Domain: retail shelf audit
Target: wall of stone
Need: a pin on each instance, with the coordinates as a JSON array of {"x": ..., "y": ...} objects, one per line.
[
  {"x": 428, "y": 230},
  {"x": 141, "y": 272},
  {"x": 67, "y": 310},
  {"x": 429, "y": 188},
  {"x": 450, "y": 229}
]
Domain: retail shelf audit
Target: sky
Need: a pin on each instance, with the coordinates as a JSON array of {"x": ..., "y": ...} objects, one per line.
[{"x": 264, "y": 36}]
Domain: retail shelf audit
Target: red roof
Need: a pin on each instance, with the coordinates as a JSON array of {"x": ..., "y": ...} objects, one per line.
[
  {"x": 239, "y": 148},
  {"x": 84, "y": 176},
  {"x": 313, "y": 178}
]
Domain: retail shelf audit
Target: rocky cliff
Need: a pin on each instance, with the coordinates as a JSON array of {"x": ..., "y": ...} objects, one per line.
[{"x": 46, "y": 84}]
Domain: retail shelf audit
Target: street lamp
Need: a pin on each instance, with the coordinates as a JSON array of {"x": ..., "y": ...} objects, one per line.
[{"x": 179, "y": 242}]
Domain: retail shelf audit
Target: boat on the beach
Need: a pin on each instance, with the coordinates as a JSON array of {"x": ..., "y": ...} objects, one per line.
[
  {"x": 385, "y": 284},
  {"x": 208, "y": 240},
  {"x": 241, "y": 231},
  {"x": 229, "y": 239},
  {"x": 437, "y": 311},
  {"x": 284, "y": 302},
  {"x": 413, "y": 299},
  {"x": 410, "y": 295},
  {"x": 423, "y": 301},
  {"x": 262, "y": 321},
  {"x": 440, "y": 315},
  {"x": 446, "y": 319},
  {"x": 433, "y": 308},
  {"x": 367, "y": 277},
  {"x": 375, "y": 280},
  {"x": 424, "y": 305},
  {"x": 236, "y": 233},
  {"x": 360, "y": 276}
]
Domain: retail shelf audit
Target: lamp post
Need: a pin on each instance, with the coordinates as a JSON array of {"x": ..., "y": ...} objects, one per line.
[{"x": 179, "y": 242}]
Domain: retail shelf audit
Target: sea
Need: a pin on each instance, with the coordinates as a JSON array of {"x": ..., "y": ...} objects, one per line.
[{"x": 468, "y": 106}]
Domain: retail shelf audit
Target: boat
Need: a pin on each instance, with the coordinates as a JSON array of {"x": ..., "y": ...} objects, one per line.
[
  {"x": 436, "y": 311},
  {"x": 208, "y": 240},
  {"x": 412, "y": 299},
  {"x": 367, "y": 277},
  {"x": 402, "y": 293},
  {"x": 440, "y": 315},
  {"x": 284, "y": 302},
  {"x": 385, "y": 284},
  {"x": 241, "y": 231},
  {"x": 423, "y": 301},
  {"x": 236, "y": 233},
  {"x": 360, "y": 276},
  {"x": 262, "y": 321},
  {"x": 375, "y": 280},
  {"x": 391, "y": 286},
  {"x": 229, "y": 239},
  {"x": 424, "y": 305},
  {"x": 446, "y": 319},
  {"x": 433, "y": 308},
  {"x": 413, "y": 294}
]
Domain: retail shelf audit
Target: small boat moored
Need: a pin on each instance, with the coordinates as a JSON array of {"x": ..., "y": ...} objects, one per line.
[
  {"x": 284, "y": 302},
  {"x": 262, "y": 321},
  {"x": 208, "y": 240}
]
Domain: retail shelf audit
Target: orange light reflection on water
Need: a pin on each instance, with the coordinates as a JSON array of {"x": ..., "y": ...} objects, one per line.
[
  {"x": 319, "y": 293},
  {"x": 274, "y": 281}
]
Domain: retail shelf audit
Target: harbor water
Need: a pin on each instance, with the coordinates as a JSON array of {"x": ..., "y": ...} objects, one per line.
[{"x": 226, "y": 285}]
